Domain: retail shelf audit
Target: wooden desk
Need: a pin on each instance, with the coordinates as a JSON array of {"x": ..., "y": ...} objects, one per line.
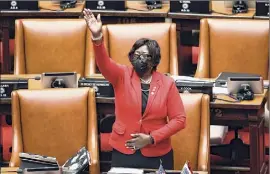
[
  {"x": 13, "y": 170},
  {"x": 261, "y": 17},
  {"x": 9, "y": 170},
  {"x": 136, "y": 12},
  {"x": 246, "y": 113},
  {"x": 47, "y": 10}
]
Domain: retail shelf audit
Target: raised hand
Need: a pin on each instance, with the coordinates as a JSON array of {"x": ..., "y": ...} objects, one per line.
[{"x": 94, "y": 25}]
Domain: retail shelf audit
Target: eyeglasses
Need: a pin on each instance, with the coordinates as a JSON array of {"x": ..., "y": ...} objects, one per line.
[{"x": 142, "y": 56}]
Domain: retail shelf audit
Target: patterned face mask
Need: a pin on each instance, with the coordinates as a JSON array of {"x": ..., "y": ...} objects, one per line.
[{"x": 141, "y": 63}]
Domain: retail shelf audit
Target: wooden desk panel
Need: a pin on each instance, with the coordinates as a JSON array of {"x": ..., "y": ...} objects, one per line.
[
  {"x": 136, "y": 9},
  {"x": 261, "y": 17},
  {"x": 47, "y": 9},
  {"x": 251, "y": 104},
  {"x": 136, "y": 12},
  {"x": 192, "y": 16},
  {"x": 9, "y": 170}
]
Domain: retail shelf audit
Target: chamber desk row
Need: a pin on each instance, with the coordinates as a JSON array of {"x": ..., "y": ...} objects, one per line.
[
  {"x": 136, "y": 12},
  {"x": 245, "y": 113}
]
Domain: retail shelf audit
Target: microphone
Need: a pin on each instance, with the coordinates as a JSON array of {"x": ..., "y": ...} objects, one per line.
[
  {"x": 58, "y": 83},
  {"x": 28, "y": 78},
  {"x": 36, "y": 78}
]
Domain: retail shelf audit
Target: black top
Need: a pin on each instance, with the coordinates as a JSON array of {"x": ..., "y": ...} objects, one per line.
[{"x": 145, "y": 93}]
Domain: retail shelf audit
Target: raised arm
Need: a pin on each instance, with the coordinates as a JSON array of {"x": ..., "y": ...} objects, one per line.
[
  {"x": 176, "y": 114},
  {"x": 109, "y": 69}
]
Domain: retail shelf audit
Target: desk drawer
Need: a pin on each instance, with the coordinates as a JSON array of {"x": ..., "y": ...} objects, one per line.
[{"x": 231, "y": 117}]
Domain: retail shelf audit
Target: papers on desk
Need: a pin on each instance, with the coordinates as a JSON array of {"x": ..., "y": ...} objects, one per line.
[
  {"x": 266, "y": 84},
  {"x": 220, "y": 90},
  {"x": 121, "y": 170},
  {"x": 188, "y": 79}
]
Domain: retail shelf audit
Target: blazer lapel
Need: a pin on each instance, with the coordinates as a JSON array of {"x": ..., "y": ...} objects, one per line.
[
  {"x": 136, "y": 85},
  {"x": 154, "y": 88}
]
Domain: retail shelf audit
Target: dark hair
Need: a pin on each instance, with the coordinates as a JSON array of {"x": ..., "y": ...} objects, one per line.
[{"x": 153, "y": 48}]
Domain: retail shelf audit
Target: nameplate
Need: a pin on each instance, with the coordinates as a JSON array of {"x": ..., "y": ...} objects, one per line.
[
  {"x": 195, "y": 87},
  {"x": 102, "y": 87},
  {"x": 7, "y": 86},
  {"x": 203, "y": 7},
  {"x": 106, "y": 5},
  {"x": 262, "y": 8},
  {"x": 19, "y": 5}
]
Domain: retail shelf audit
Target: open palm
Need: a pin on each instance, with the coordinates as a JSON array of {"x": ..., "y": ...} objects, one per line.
[{"x": 94, "y": 24}]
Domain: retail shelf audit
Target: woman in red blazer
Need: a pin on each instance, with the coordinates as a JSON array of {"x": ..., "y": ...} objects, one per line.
[{"x": 144, "y": 102}]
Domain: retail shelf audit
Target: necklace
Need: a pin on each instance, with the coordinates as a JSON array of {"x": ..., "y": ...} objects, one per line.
[
  {"x": 146, "y": 90},
  {"x": 146, "y": 81}
]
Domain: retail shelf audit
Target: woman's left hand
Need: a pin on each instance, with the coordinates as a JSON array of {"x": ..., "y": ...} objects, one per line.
[{"x": 138, "y": 141}]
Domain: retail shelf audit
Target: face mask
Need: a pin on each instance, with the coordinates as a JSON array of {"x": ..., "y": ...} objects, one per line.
[{"x": 140, "y": 67}]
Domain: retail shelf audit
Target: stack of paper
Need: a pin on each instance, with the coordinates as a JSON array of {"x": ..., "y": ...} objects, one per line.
[
  {"x": 119, "y": 170},
  {"x": 188, "y": 79}
]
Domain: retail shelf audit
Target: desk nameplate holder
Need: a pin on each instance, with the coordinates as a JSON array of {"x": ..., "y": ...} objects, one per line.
[
  {"x": 7, "y": 86},
  {"x": 203, "y": 7},
  {"x": 102, "y": 87},
  {"x": 19, "y": 5},
  {"x": 106, "y": 5},
  {"x": 195, "y": 87},
  {"x": 262, "y": 8}
]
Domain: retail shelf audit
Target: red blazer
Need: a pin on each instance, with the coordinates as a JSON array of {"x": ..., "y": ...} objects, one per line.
[{"x": 163, "y": 102}]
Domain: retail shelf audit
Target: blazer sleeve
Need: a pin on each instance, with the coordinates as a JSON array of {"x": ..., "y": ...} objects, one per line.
[
  {"x": 176, "y": 115},
  {"x": 111, "y": 70}
]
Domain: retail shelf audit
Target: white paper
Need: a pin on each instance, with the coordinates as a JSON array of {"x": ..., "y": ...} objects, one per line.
[
  {"x": 120, "y": 170},
  {"x": 220, "y": 90},
  {"x": 188, "y": 78},
  {"x": 266, "y": 84}
]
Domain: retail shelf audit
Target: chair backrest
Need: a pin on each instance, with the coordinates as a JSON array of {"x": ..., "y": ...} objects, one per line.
[
  {"x": 52, "y": 45},
  {"x": 192, "y": 143},
  {"x": 55, "y": 122},
  {"x": 119, "y": 39},
  {"x": 232, "y": 45}
]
